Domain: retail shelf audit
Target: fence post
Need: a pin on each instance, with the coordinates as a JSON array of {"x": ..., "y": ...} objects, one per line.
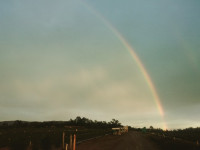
[
  {"x": 197, "y": 143},
  {"x": 74, "y": 146},
  {"x": 30, "y": 146},
  {"x": 63, "y": 140},
  {"x": 66, "y": 146},
  {"x": 70, "y": 142}
]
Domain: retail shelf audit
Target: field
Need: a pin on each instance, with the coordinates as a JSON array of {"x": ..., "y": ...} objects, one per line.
[{"x": 44, "y": 138}]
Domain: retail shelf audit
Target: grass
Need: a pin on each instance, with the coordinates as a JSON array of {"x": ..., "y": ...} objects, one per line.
[{"x": 45, "y": 137}]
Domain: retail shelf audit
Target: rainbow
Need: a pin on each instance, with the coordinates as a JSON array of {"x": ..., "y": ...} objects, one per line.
[{"x": 135, "y": 57}]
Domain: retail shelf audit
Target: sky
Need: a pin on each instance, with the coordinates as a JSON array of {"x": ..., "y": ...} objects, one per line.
[{"x": 61, "y": 59}]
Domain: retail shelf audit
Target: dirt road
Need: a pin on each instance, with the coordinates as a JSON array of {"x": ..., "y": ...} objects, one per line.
[{"x": 128, "y": 141}]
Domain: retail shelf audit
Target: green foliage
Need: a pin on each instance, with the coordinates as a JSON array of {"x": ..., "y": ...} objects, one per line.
[{"x": 90, "y": 123}]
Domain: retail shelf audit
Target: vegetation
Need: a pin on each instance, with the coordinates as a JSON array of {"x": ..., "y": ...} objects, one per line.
[
  {"x": 78, "y": 121},
  {"x": 188, "y": 134},
  {"x": 19, "y": 135}
]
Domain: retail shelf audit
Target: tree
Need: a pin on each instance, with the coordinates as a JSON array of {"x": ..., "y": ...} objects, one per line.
[{"x": 114, "y": 123}]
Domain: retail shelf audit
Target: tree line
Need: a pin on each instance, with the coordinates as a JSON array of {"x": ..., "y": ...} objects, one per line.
[{"x": 78, "y": 121}]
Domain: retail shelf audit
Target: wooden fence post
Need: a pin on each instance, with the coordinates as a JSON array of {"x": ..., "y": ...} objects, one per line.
[
  {"x": 70, "y": 142},
  {"x": 30, "y": 146},
  {"x": 66, "y": 146},
  {"x": 74, "y": 146},
  {"x": 63, "y": 140}
]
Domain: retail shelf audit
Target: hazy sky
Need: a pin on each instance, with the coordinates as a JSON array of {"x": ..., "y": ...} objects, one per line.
[{"x": 59, "y": 60}]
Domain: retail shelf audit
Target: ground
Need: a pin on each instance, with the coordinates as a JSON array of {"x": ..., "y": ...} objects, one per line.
[{"x": 129, "y": 141}]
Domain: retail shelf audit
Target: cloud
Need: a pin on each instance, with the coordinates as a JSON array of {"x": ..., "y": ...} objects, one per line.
[{"x": 90, "y": 92}]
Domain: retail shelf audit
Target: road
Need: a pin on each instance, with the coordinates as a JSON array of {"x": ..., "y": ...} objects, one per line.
[{"x": 129, "y": 141}]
